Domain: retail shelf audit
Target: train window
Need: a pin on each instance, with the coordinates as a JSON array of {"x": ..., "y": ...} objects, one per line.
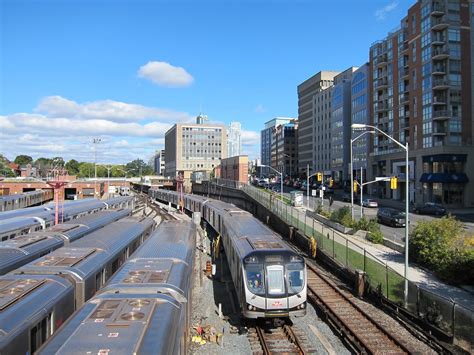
[
  {"x": 295, "y": 276},
  {"x": 275, "y": 279},
  {"x": 39, "y": 334},
  {"x": 4, "y": 238},
  {"x": 255, "y": 278}
]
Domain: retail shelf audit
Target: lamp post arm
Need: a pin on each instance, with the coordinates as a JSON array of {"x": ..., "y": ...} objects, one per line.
[{"x": 386, "y": 135}]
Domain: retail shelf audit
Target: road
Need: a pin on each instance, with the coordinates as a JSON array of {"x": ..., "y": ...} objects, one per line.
[{"x": 396, "y": 234}]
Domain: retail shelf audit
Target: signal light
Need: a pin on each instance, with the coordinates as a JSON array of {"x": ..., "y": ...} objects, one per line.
[
  {"x": 331, "y": 182},
  {"x": 320, "y": 177},
  {"x": 393, "y": 182},
  {"x": 355, "y": 186}
]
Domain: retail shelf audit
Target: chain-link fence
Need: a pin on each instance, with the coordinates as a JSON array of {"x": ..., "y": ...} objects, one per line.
[{"x": 455, "y": 320}]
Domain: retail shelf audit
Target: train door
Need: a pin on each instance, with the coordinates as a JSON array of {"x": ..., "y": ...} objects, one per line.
[
  {"x": 39, "y": 333},
  {"x": 276, "y": 290}
]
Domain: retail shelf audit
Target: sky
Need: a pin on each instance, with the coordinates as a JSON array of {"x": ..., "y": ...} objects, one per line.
[{"x": 126, "y": 71}]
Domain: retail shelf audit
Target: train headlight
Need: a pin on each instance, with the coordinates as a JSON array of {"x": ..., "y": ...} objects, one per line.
[
  {"x": 303, "y": 305},
  {"x": 250, "y": 307}
]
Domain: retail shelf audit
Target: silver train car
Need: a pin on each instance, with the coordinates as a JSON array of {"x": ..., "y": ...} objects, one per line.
[
  {"x": 32, "y": 307},
  {"x": 17, "y": 252},
  {"x": 26, "y": 199},
  {"x": 91, "y": 261},
  {"x": 147, "y": 303},
  {"x": 79, "y": 272},
  {"x": 268, "y": 274},
  {"x": 32, "y": 222}
]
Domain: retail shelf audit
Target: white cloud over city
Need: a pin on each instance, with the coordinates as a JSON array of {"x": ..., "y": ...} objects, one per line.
[
  {"x": 59, "y": 126},
  {"x": 165, "y": 74},
  {"x": 381, "y": 13}
]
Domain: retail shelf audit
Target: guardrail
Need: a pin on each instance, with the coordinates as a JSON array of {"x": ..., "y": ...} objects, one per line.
[{"x": 452, "y": 319}]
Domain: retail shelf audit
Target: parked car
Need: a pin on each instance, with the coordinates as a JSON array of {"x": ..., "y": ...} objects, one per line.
[
  {"x": 346, "y": 197},
  {"x": 297, "y": 184},
  {"x": 391, "y": 217},
  {"x": 275, "y": 187},
  {"x": 368, "y": 202},
  {"x": 431, "y": 209}
]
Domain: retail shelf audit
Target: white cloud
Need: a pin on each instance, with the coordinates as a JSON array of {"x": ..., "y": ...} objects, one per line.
[
  {"x": 381, "y": 14},
  {"x": 57, "y": 106},
  {"x": 251, "y": 143},
  {"x": 260, "y": 108},
  {"x": 165, "y": 74}
]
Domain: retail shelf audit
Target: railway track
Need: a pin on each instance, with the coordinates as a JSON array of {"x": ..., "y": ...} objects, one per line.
[
  {"x": 280, "y": 340},
  {"x": 363, "y": 333}
]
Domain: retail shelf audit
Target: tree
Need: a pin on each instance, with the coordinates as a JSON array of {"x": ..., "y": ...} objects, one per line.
[
  {"x": 57, "y": 162},
  {"x": 86, "y": 170},
  {"x": 72, "y": 167},
  {"x": 43, "y": 165},
  {"x": 139, "y": 168},
  {"x": 23, "y": 160}
]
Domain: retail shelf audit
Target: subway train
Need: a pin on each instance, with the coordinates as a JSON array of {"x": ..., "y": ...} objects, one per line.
[
  {"x": 145, "y": 308},
  {"x": 25, "y": 221},
  {"x": 37, "y": 298},
  {"x": 26, "y": 199},
  {"x": 25, "y": 248},
  {"x": 268, "y": 274}
]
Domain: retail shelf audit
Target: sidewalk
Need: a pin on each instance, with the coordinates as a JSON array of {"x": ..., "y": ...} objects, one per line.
[{"x": 423, "y": 278}]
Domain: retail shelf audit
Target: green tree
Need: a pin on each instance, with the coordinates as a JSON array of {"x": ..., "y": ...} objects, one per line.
[
  {"x": 138, "y": 167},
  {"x": 86, "y": 170},
  {"x": 57, "y": 162},
  {"x": 441, "y": 246},
  {"x": 43, "y": 165},
  {"x": 72, "y": 167},
  {"x": 23, "y": 160}
]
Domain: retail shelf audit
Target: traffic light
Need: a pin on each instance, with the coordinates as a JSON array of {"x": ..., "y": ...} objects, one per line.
[
  {"x": 331, "y": 182},
  {"x": 355, "y": 186},
  {"x": 320, "y": 177},
  {"x": 393, "y": 182}
]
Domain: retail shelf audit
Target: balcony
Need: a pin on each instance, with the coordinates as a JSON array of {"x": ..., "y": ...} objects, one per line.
[
  {"x": 404, "y": 123},
  {"x": 439, "y": 24},
  {"x": 440, "y": 84},
  {"x": 439, "y": 100},
  {"x": 439, "y": 70},
  {"x": 405, "y": 98},
  {"x": 439, "y": 130},
  {"x": 381, "y": 83},
  {"x": 381, "y": 107},
  {"x": 440, "y": 53},
  {"x": 404, "y": 47},
  {"x": 438, "y": 40},
  {"x": 382, "y": 60},
  {"x": 404, "y": 115},
  {"x": 441, "y": 115},
  {"x": 405, "y": 72},
  {"x": 437, "y": 10},
  {"x": 382, "y": 98}
]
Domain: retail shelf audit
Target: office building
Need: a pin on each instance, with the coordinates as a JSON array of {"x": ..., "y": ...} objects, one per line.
[
  {"x": 267, "y": 137},
  {"x": 341, "y": 125},
  {"x": 194, "y": 147},
  {"x": 235, "y": 168},
  {"x": 360, "y": 114},
  {"x": 159, "y": 162},
  {"x": 421, "y": 94},
  {"x": 234, "y": 141},
  {"x": 314, "y": 123},
  {"x": 284, "y": 149}
]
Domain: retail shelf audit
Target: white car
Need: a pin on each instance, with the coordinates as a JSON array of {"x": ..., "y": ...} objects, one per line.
[{"x": 370, "y": 203}]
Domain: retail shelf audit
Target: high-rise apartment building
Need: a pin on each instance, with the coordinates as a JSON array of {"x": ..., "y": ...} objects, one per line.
[
  {"x": 421, "y": 94},
  {"x": 314, "y": 123},
  {"x": 234, "y": 141},
  {"x": 341, "y": 125},
  {"x": 194, "y": 147},
  {"x": 267, "y": 139},
  {"x": 360, "y": 114}
]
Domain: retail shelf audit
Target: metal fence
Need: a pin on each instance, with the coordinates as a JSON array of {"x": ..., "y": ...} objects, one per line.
[{"x": 453, "y": 319}]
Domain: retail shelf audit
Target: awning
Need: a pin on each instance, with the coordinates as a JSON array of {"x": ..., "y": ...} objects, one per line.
[
  {"x": 444, "y": 158},
  {"x": 452, "y": 178}
]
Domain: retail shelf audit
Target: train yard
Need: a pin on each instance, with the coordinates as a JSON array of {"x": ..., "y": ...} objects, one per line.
[{"x": 150, "y": 280}]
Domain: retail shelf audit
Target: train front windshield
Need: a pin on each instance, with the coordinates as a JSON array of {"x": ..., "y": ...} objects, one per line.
[
  {"x": 255, "y": 278},
  {"x": 295, "y": 277}
]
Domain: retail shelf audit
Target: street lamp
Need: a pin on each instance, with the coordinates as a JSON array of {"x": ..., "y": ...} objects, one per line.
[
  {"x": 407, "y": 187},
  {"x": 108, "y": 167},
  {"x": 281, "y": 180},
  {"x": 352, "y": 171}
]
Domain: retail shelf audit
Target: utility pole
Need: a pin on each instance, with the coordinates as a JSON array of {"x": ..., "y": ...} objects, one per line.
[{"x": 95, "y": 141}]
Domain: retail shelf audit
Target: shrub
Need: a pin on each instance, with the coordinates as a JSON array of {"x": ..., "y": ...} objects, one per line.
[
  {"x": 342, "y": 216},
  {"x": 375, "y": 235},
  {"x": 441, "y": 246}
]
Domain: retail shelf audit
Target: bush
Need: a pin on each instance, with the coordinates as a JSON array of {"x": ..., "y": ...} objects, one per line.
[
  {"x": 441, "y": 246},
  {"x": 342, "y": 216},
  {"x": 375, "y": 235}
]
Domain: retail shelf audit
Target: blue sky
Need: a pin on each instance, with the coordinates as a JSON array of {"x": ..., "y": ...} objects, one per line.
[{"x": 127, "y": 70}]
